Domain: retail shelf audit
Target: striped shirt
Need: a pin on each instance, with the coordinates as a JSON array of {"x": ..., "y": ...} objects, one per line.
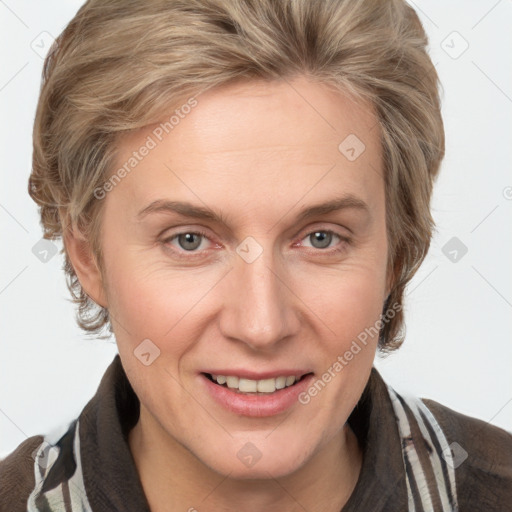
[{"x": 418, "y": 456}]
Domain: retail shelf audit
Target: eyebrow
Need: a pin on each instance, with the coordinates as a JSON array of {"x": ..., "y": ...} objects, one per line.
[{"x": 348, "y": 201}]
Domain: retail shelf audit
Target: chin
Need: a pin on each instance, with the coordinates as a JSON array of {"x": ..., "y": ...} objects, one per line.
[
  {"x": 258, "y": 459},
  {"x": 262, "y": 470}
]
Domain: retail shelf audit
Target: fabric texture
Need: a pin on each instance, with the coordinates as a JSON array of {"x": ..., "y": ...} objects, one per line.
[{"x": 417, "y": 456}]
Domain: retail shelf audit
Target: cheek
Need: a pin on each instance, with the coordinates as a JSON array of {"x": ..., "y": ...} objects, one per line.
[
  {"x": 149, "y": 300},
  {"x": 351, "y": 314},
  {"x": 348, "y": 299}
]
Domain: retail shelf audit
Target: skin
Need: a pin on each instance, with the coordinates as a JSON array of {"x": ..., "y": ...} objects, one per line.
[{"x": 257, "y": 153}]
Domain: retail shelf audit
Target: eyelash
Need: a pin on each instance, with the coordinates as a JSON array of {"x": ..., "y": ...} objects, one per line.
[{"x": 182, "y": 253}]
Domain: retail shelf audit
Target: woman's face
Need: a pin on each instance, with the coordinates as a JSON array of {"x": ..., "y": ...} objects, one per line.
[{"x": 248, "y": 243}]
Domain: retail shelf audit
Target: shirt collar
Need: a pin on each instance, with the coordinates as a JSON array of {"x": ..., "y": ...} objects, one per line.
[
  {"x": 110, "y": 477},
  {"x": 381, "y": 484}
]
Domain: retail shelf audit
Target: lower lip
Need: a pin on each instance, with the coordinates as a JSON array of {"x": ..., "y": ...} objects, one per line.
[{"x": 256, "y": 405}]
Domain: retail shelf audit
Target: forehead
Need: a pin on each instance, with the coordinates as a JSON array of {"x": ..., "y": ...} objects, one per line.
[
  {"x": 282, "y": 137},
  {"x": 307, "y": 110}
]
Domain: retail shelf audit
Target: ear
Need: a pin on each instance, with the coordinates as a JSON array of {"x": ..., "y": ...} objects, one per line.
[{"x": 84, "y": 263}]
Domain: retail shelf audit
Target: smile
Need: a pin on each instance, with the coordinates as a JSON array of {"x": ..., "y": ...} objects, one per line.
[{"x": 243, "y": 385}]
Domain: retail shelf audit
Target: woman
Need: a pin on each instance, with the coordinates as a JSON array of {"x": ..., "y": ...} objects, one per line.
[{"x": 243, "y": 193}]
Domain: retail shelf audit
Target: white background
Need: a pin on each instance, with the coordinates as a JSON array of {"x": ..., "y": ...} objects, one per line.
[{"x": 458, "y": 349}]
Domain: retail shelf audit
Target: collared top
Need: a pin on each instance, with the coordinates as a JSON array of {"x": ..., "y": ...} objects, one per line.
[{"x": 417, "y": 456}]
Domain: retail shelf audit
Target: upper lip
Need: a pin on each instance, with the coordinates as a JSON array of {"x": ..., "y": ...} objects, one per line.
[{"x": 252, "y": 375}]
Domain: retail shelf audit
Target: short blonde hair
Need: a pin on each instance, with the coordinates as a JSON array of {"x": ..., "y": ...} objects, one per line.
[{"x": 120, "y": 65}]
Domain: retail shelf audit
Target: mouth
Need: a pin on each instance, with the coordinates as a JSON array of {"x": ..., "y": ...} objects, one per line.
[
  {"x": 267, "y": 386},
  {"x": 270, "y": 395}
]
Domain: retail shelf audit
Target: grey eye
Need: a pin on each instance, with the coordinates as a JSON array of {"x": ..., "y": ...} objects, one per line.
[
  {"x": 320, "y": 239},
  {"x": 189, "y": 241}
]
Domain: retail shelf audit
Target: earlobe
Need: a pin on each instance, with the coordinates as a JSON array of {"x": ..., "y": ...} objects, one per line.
[{"x": 84, "y": 263}]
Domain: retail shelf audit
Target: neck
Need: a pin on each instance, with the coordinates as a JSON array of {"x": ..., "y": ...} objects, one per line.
[{"x": 175, "y": 479}]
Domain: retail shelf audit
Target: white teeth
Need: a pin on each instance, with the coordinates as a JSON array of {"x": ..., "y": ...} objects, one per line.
[
  {"x": 280, "y": 382},
  {"x": 253, "y": 386},
  {"x": 232, "y": 382},
  {"x": 248, "y": 386},
  {"x": 267, "y": 385}
]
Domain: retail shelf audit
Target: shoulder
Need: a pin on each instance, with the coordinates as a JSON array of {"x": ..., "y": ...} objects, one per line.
[
  {"x": 481, "y": 457},
  {"x": 29, "y": 469},
  {"x": 17, "y": 478}
]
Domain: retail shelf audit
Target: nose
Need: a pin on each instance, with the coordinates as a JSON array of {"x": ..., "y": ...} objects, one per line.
[{"x": 259, "y": 308}]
